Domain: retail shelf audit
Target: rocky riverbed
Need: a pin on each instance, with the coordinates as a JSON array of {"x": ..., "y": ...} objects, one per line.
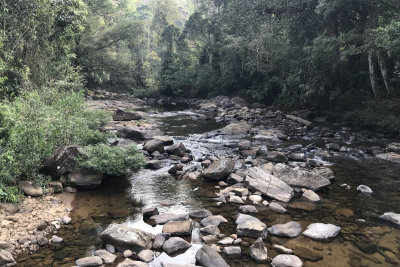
[{"x": 227, "y": 183}]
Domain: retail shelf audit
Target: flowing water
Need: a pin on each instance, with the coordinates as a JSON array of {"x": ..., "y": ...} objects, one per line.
[{"x": 364, "y": 239}]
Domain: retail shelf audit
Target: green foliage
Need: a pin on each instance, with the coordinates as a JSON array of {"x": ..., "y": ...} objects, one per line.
[
  {"x": 34, "y": 124},
  {"x": 109, "y": 160},
  {"x": 10, "y": 194}
]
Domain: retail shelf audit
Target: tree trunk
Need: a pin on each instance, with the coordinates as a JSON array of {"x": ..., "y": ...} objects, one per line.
[
  {"x": 384, "y": 71},
  {"x": 372, "y": 74}
]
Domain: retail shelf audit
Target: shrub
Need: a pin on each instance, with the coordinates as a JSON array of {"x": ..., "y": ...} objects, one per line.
[
  {"x": 109, "y": 160},
  {"x": 10, "y": 194}
]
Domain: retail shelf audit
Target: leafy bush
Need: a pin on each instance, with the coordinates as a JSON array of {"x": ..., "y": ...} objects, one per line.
[
  {"x": 35, "y": 123},
  {"x": 10, "y": 194},
  {"x": 109, "y": 160}
]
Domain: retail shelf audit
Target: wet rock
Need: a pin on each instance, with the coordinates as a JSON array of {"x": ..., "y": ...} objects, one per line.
[
  {"x": 234, "y": 179},
  {"x": 390, "y": 156},
  {"x": 121, "y": 115},
  {"x": 235, "y": 199},
  {"x": 208, "y": 257},
  {"x": 30, "y": 189},
  {"x": 232, "y": 252},
  {"x": 131, "y": 263},
  {"x": 85, "y": 179},
  {"x": 226, "y": 241},
  {"x": 89, "y": 261},
  {"x": 289, "y": 229},
  {"x": 307, "y": 254},
  {"x": 124, "y": 237},
  {"x": 260, "y": 180},
  {"x": 364, "y": 189},
  {"x": 166, "y": 217},
  {"x": 175, "y": 244},
  {"x": 321, "y": 231},
  {"x": 179, "y": 228},
  {"x": 344, "y": 212},
  {"x": 154, "y": 145},
  {"x": 285, "y": 260},
  {"x": 6, "y": 258},
  {"x": 210, "y": 220},
  {"x": 167, "y": 141},
  {"x": 219, "y": 170},
  {"x": 62, "y": 161},
  {"x": 300, "y": 178},
  {"x": 146, "y": 255},
  {"x": 392, "y": 217},
  {"x": 56, "y": 239},
  {"x": 248, "y": 209},
  {"x": 106, "y": 256},
  {"x": 211, "y": 229},
  {"x": 236, "y": 129},
  {"x": 200, "y": 214},
  {"x": 66, "y": 219},
  {"x": 282, "y": 249},
  {"x": 206, "y": 163},
  {"x": 310, "y": 195},
  {"x": 258, "y": 251},
  {"x": 277, "y": 156},
  {"x": 178, "y": 149},
  {"x": 277, "y": 208}
]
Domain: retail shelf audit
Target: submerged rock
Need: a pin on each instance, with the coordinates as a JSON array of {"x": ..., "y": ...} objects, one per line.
[
  {"x": 219, "y": 170},
  {"x": 285, "y": 260},
  {"x": 258, "y": 251},
  {"x": 311, "y": 195},
  {"x": 289, "y": 229},
  {"x": 392, "y": 217},
  {"x": 121, "y": 115},
  {"x": 209, "y": 257},
  {"x": 321, "y": 231}
]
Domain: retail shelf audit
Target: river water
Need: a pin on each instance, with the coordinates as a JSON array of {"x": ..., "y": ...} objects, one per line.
[{"x": 364, "y": 240}]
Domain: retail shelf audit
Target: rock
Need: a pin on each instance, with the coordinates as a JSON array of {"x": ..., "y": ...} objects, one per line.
[
  {"x": 124, "y": 237},
  {"x": 127, "y": 253},
  {"x": 121, "y": 115},
  {"x": 56, "y": 185},
  {"x": 211, "y": 220},
  {"x": 289, "y": 229},
  {"x": 89, "y": 261},
  {"x": 248, "y": 209},
  {"x": 146, "y": 255},
  {"x": 242, "y": 218},
  {"x": 307, "y": 254},
  {"x": 258, "y": 251},
  {"x": 175, "y": 244},
  {"x": 219, "y": 170},
  {"x": 392, "y": 217},
  {"x": 394, "y": 147},
  {"x": 200, "y": 214},
  {"x": 56, "y": 239},
  {"x": 240, "y": 128},
  {"x": 208, "y": 257},
  {"x": 6, "y": 258},
  {"x": 250, "y": 226},
  {"x": 66, "y": 219},
  {"x": 175, "y": 169},
  {"x": 282, "y": 249},
  {"x": 277, "y": 156},
  {"x": 106, "y": 256},
  {"x": 226, "y": 241},
  {"x": 297, "y": 156},
  {"x": 166, "y": 217},
  {"x": 333, "y": 146},
  {"x": 62, "y": 161},
  {"x": 244, "y": 145},
  {"x": 178, "y": 149},
  {"x": 277, "y": 208},
  {"x": 258, "y": 179},
  {"x": 232, "y": 252},
  {"x": 390, "y": 156},
  {"x": 208, "y": 239},
  {"x": 42, "y": 241},
  {"x": 270, "y": 135},
  {"x": 110, "y": 248},
  {"x": 30, "y": 189},
  {"x": 255, "y": 198},
  {"x": 211, "y": 229},
  {"x": 321, "y": 231},
  {"x": 147, "y": 213},
  {"x": 284, "y": 260},
  {"x": 85, "y": 179},
  {"x": 131, "y": 263},
  {"x": 180, "y": 228},
  {"x": 299, "y": 120},
  {"x": 364, "y": 189},
  {"x": 300, "y": 178},
  {"x": 240, "y": 191},
  {"x": 154, "y": 164},
  {"x": 159, "y": 241},
  {"x": 311, "y": 195},
  {"x": 154, "y": 145},
  {"x": 234, "y": 179},
  {"x": 131, "y": 133},
  {"x": 167, "y": 141},
  {"x": 235, "y": 199}
]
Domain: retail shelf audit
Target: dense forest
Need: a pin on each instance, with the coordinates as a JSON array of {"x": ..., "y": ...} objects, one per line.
[{"x": 338, "y": 55}]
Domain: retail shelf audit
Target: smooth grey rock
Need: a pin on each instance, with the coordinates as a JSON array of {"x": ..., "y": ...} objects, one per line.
[
  {"x": 300, "y": 178},
  {"x": 242, "y": 218},
  {"x": 392, "y": 217},
  {"x": 240, "y": 128},
  {"x": 167, "y": 141},
  {"x": 252, "y": 228},
  {"x": 282, "y": 249},
  {"x": 200, "y": 214},
  {"x": 85, "y": 179},
  {"x": 289, "y": 229},
  {"x": 248, "y": 209},
  {"x": 285, "y": 260},
  {"x": 390, "y": 156},
  {"x": 321, "y": 231},
  {"x": 89, "y": 261},
  {"x": 211, "y": 229},
  {"x": 175, "y": 244},
  {"x": 364, "y": 189},
  {"x": 178, "y": 149},
  {"x": 244, "y": 145},
  {"x": 56, "y": 239},
  {"x": 128, "y": 253},
  {"x": 277, "y": 208},
  {"x": 166, "y": 217},
  {"x": 258, "y": 179},
  {"x": 311, "y": 195},
  {"x": 208, "y": 239},
  {"x": 159, "y": 240},
  {"x": 106, "y": 256},
  {"x": 213, "y": 220},
  {"x": 209, "y": 257},
  {"x": 30, "y": 189},
  {"x": 232, "y": 252},
  {"x": 255, "y": 198},
  {"x": 258, "y": 251},
  {"x": 131, "y": 263},
  {"x": 124, "y": 237},
  {"x": 179, "y": 228},
  {"x": 146, "y": 255},
  {"x": 218, "y": 170}
]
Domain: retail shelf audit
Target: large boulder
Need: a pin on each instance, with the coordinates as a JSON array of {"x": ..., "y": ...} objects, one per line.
[
  {"x": 121, "y": 115},
  {"x": 289, "y": 229},
  {"x": 209, "y": 257},
  {"x": 240, "y": 128},
  {"x": 85, "y": 179},
  {"x": 300, "y": 178},
  {"x": 321, "y": 231},
  {"x": 30, "y": 189},
  {"x": 175, "y": 244},
  {"x": 154, "y": 145},
  {"x": 178, "y": 149},
  {"x": 135, "y": 134},
  {"x": 219, "y": 170},
  {"x": 258, "y": 179},
  {"x": 62, "y": 161},
  {"x": 124, "y": 237}
]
